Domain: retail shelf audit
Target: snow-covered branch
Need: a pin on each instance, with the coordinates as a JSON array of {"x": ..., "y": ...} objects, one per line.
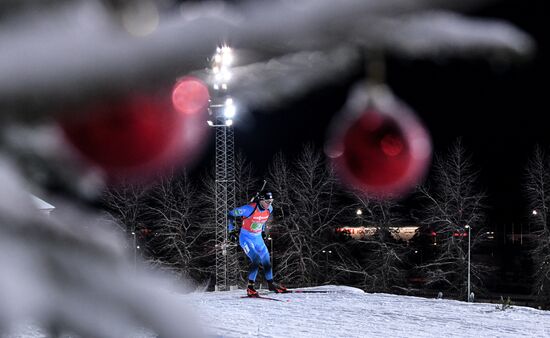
[{"x": 82, "y": 50}]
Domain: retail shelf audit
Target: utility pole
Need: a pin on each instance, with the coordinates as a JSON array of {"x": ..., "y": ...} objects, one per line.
[
  {"x": 326, "y": 252},
  {"x": 469, "y": 249},
  {"x": 135, "y": 246}
]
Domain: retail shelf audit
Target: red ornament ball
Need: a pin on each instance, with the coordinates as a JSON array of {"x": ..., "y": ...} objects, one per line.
[
  {"x": 142, "y": 134},
  {"x": 382, "y": 150}
]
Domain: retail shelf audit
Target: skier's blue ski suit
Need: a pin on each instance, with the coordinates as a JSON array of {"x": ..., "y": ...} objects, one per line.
[{"x": 250, "y": 237}]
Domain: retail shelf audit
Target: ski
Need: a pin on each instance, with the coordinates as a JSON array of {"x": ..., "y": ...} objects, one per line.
[
  {"x": 299, "y": 291},
  {"x": 266, "y": 298},
  {"x": 307, "y": 291}
]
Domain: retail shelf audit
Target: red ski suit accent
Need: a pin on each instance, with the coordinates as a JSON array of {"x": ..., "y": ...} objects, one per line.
[{"x": 255, "y": 222}]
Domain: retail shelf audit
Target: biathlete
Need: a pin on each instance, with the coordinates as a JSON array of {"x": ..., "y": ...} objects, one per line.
[{"x": 254, "y": 218}]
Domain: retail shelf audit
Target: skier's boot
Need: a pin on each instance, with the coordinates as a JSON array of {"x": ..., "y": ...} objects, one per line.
[
  {"x": 250, "y": 291},
  {"x": 277, "y": 288}
]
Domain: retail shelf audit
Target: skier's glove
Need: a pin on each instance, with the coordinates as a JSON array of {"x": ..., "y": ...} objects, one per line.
[
  {"x": 231, "y": 225},
  {"x": 233, "y": 236}
]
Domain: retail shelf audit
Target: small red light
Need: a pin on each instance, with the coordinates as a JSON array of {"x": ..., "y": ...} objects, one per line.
[{"x": 190, "y": 96}]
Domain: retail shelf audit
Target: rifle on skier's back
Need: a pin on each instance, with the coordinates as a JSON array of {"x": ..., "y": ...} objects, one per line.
[{"x": 257, "y": 196}]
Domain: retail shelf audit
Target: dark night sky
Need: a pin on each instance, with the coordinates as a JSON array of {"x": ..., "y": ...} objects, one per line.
[{"x": 498, "y": 111}]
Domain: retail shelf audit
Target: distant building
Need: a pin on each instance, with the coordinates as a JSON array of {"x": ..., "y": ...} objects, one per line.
[
  {"x": 405, "y": 233},
  {"x": 42, "y": 205}
]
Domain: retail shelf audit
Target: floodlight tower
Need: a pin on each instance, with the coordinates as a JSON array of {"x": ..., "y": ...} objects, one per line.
[{"x": 222, "y": 109}]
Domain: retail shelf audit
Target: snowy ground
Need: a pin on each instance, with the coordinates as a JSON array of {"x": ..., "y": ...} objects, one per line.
[{"x": 349, "y": 312}]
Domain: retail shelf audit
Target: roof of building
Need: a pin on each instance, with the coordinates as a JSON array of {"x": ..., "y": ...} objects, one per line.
[{"x": 41, "y": 204}]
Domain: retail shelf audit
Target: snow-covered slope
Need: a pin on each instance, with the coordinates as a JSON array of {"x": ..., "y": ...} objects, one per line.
[
  {"x": 349, "y": 312},
  {"x": 345, "y": 312}
]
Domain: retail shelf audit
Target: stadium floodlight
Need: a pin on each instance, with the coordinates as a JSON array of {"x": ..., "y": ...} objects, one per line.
[
  {"x": 230, "y": 109},
  {"x": 223, "y": 57},
  {"x": 221, "y": 63},
  {"x": 227, "y": 59},
  {"x": 226, "y": 74},
  {"x": 223, "y": 111},
  {"x": 221, "y": 74}
]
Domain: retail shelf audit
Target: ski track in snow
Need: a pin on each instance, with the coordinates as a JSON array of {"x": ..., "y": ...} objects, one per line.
[{"x": 349, "y": 312}]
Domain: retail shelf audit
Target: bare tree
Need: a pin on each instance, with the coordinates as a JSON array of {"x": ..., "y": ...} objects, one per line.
[
  {"x": 305, "y": 215},
  {"x": 246, "y": 182},
  {"x": 175, "y": 233},
  {"x": 537, "y": 188},
  {"x": 125, "y": 202},
  {"x": 452, "y": 201},
  {"x": 206, "y": 212},
  {"x": 170, "y": 224}
]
